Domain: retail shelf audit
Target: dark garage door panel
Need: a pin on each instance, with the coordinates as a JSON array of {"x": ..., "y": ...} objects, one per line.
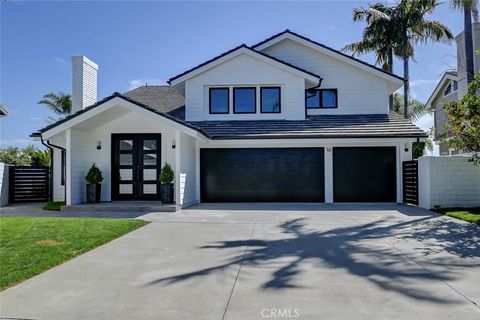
[
  {"x": 262, "y": 175},
  {"x": 364, "y": 174}
]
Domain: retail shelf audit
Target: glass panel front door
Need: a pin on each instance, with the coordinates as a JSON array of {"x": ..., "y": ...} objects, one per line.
[{"x": 136, "y": 164}]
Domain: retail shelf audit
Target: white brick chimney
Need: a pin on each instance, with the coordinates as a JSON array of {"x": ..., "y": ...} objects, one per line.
[{"x": 84, "y": 83}]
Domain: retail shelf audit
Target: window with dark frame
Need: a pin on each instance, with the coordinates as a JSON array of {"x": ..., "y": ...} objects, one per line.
[
  {"x": 448, "y": 90},
  {"x": 219, "y": 100},
  {"x": 321, "y": 99},
  {"x": 270, "y": 101},
  {"x": 244, "y": 100}
]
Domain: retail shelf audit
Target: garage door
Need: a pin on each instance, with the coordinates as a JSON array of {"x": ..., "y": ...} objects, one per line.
[
  {"x": 364, "y": 174},
  {"x": 262, "y": 175}
]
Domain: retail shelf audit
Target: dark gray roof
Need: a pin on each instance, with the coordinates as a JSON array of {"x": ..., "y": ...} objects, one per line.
[
  {"x": 168, "y": 102},
  {"x": 165, "y": 99},
  {"x": 326, "y": 126}
]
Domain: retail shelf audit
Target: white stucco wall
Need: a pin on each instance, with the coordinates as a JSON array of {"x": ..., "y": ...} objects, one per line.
[
  {"x": 449, "y": 181},
  {"x": 245, "y": 70},
  {"x": 359, "y": 92},
  {"x": 3, "y": 184}
]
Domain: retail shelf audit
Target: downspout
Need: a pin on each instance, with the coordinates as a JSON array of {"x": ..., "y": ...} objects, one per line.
[
  {"x": 313, "y": 88},
  {"x": 50, "y": 187},
  {"x": 50, "y": 145}
]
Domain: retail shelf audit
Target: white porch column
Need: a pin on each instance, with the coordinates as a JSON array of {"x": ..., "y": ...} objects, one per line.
[
  {"x": 328, "y": 154},
  {"x": 178, "y": 145},
  {"x": 68, "y": 167},
  {"x": 197, "y": 171}
]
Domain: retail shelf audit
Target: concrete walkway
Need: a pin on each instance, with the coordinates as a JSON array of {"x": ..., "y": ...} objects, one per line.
[
  {"x": 268, "y": 261},
  {"x": 36, "y": 210}
]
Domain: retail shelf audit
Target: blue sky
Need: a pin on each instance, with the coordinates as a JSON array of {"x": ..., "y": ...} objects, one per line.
[{"x": 138, "y": 42}]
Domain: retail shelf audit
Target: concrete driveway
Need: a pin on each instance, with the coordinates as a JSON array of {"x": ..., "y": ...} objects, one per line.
[{"x": 268, "y": 261}]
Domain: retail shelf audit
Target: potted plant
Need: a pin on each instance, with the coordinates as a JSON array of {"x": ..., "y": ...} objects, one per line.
[
  {"x": 166, "y": 186},
  {"x": 94, "y": 187}
]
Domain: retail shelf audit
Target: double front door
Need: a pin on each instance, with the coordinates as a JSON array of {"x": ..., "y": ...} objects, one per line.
[{"x": 136, "y": 166}]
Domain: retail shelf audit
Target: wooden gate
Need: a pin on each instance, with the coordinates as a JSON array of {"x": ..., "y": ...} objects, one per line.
[
  {"x": 28, "y": 184},
  {"x": 410, "y": 181}
]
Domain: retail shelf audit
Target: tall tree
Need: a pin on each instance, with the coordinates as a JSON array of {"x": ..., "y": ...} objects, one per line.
[
  {"x": 463, "y": 122},
  {"x": 416, "y": 109},
  {"x": 379, "y": 36},
  {"x": 60, "y": 103},
  {"x": 467, "y": 6},
  {"x": 415, "y": 28},
  {"x": 409, "y": 26}
]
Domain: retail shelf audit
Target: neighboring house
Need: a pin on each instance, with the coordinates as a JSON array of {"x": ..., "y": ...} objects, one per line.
[
  {"x": 451, "y": 87},
  {"x": 285, "y": 120},
  {"x": 3, "y": 111}
]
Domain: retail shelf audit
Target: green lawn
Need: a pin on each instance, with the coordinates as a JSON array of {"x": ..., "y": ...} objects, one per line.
[
  {"x": 31, "y": 245},
  {"x": 54, "y": 205},
  {"x": 467, "y": 214}
]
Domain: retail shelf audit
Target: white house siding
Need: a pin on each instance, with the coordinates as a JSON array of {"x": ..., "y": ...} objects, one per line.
[
  {"x": 82, "y": 156},
  {"x": 448, "y": 182},
  {"x": 58, "y": 188},
  {"x": 403, "y": 147},
  {"x": 359, "y": 92},
  {"x": 245, "y": 70},
  {"x": 84, "y": 151}
]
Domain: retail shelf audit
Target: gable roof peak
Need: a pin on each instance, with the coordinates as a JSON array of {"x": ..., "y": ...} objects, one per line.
[{"x": 325, "y": 48}]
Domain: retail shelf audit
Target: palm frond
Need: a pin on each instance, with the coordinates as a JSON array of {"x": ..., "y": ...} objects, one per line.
[
  {"x": 464, "y": 4},
  {"x": 430, "y": 30}
]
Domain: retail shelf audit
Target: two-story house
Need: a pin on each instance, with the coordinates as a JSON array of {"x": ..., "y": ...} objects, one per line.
[
  {"x": 451, "y": 87},
  {"x": 285, "y": 120}
]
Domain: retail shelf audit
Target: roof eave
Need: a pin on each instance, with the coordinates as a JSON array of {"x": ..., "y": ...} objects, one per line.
[
  {"x": 436, "y": 91},
  {"x": 232, "y": 54},
  {"x": 45, "y": 130},
  {"x": 287, "y": 33}
]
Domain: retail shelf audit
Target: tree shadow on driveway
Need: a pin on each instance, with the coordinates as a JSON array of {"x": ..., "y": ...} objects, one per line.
[{"x": 363, "y": 250}]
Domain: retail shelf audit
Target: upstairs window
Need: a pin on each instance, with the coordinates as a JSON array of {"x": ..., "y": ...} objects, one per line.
[
  {"x": 244, "y": 100},
  {"x": 321, "y": 99},
  {"x": 270, "y": 100},
  {"x": 448, "y": 90},
  {"x": 455, "y": 85},
  {"x": 219, "y": 100}
]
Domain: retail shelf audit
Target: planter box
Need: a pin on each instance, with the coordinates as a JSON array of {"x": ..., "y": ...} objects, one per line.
[
  {"x": 166, "y": 193},
  {"x": 94, "y": 191}
]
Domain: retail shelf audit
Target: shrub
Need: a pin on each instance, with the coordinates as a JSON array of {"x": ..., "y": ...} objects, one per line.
[
  {"x": 94, "y": 175},
  {"x": 166, "y": 174}
]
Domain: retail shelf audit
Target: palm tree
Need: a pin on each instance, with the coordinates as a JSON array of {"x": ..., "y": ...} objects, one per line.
[
  {"x": 379, "y": 36},
  {"x": 467, "y": 6},
  {"x": 60, "y": 103},
  {"x": 394, "y": 30},
  {"x": 413, "y": 28},
  {"x": 416, "y": 109}
]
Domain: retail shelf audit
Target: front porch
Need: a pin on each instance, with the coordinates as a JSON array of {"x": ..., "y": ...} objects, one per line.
[{"x": 129, "y": 144}]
